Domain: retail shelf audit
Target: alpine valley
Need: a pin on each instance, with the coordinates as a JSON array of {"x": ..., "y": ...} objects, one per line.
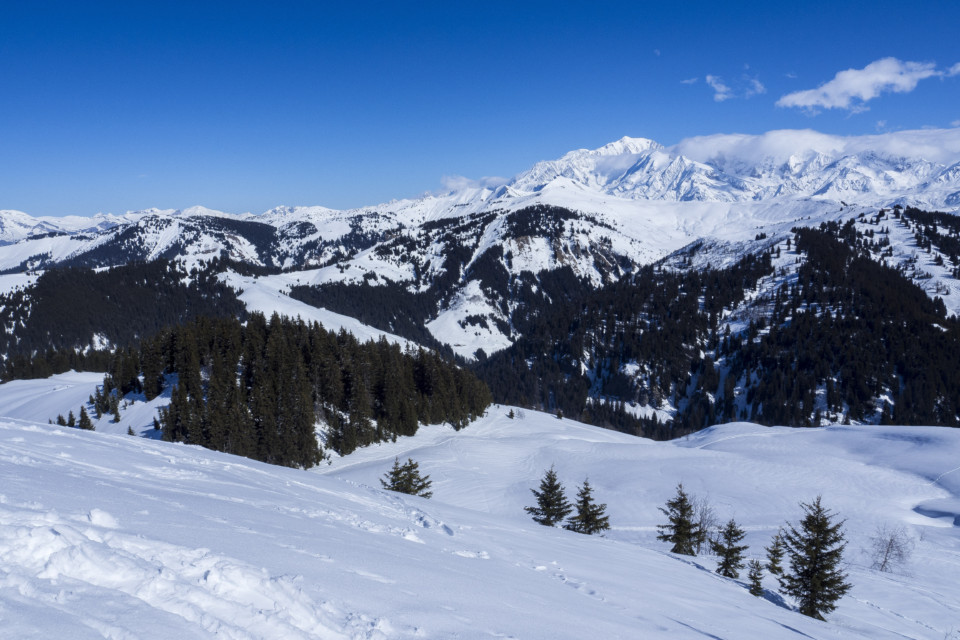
[{"x": 711, "y": 295}]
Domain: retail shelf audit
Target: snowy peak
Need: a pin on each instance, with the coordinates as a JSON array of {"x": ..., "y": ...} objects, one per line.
[{"x": 742, "y": 168}]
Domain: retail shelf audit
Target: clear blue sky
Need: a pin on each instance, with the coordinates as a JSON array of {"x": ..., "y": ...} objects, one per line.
[{"x": 244, "y": 106}]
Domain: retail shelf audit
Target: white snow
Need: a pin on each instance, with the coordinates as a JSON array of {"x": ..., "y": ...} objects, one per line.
[
  {"x": 451, "y": 325},
  {"x": 269, "y": 294},
  {"x": 108, "y": 536}
]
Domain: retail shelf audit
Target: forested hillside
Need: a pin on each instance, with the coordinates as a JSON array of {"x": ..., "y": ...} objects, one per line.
[
  {"x": 837, "y": 336},
  {"x": 72, "y": 316},
  {"x": 259, "y": 389}
]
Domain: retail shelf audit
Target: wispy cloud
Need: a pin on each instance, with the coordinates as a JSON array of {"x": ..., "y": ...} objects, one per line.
[
  {"x": 746, "y": 86},
  {"x": 455, "y": 183},
  {"x": 754, "y": 87},
  {"x": 853, "y": 88},
  {"x": 954, "y": 70},
  {"x": 689, "y": 81},
  {"x": 955, "y": 123},
  {"x": 721, "y": 91}
]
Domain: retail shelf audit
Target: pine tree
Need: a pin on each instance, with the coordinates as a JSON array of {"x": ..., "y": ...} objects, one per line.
[
  {"x": 755, "y": 575},
  {"x": 61, "y": 421},
  {"x": 731, "y": 554},
  {"x": 590, "y": 517},
  {"x": 71, "y": 419},
  {"x": 816, "y": 579},
  {"x": 552, "y": 505},
  {"x": 775, "y": 555},
  {"x": 406, "y": 478},
  {"x": 85, "y": 422},
  {"x": 682, "y": 531}
]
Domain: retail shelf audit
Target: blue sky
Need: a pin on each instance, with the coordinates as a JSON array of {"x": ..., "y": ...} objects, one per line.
[{"x": 245, "y": 106}]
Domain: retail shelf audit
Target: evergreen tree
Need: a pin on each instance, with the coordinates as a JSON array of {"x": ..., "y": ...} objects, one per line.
[
  {"x": 85, "y": 422},
  {"x": 730, "y": 553},
  {"x": 590, "y": 517},
  {"x": 61, "y": 421},
  {"x": 552, "y": 505},
  {"x": 71, "y": 419},
  {"x": 775, "y": 555},
  {"x": 755, "y": 575},
  {"x": 681, "y": 531},
  {"x": 406, "y": 478},
  {"x": 816, "y": 579}
]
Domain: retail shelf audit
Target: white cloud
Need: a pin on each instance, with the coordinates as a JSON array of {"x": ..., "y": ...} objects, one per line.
[
  {"x": 754, "y": 87},
  {"x": 746, "y": 86},
  {"x": 935, "y": 145},
  {"x": 955, "y": 123},
  {"x": 954, "y": 70},
  {"x": 852, "y": 88},
  {"x": 455, "y": 183},
  {"x": 721, "y": 91},
  {"x": 689, "y": 81}
]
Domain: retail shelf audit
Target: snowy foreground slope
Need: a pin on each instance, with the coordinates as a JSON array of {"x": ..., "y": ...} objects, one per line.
[{"x": 109, "y": 536}]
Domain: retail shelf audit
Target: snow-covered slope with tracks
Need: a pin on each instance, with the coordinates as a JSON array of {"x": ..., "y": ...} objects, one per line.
[{"x": 117, "y": 536}]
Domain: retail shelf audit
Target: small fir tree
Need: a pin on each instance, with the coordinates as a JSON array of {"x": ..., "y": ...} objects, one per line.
[
  {"x": 730, "y": 553},
  {"x": 552, "y": 505},
  {"x": 85, "y": 422},
  {"x": 681, "y": 530},
  {"x": 755, "y": 576},
  {"x": 590, "y": 517},
  {"x": 816, "y": 579},
  {"x": 61, "y": 421},
  {"x": 71, "y": 419},
  {"x": 775, "y": 556},
  {"x": 406, "y": 478},
  {"x": 130, "y": 431}
]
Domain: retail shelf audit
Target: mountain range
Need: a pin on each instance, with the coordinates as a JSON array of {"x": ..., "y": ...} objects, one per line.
[{"x": 479, "y": 269}]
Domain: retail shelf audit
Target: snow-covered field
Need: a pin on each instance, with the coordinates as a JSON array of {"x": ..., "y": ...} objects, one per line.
[{"x": 104, "y": 535}]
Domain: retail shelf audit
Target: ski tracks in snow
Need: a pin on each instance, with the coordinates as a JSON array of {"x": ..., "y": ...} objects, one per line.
[{"x": 46, "y": 553}]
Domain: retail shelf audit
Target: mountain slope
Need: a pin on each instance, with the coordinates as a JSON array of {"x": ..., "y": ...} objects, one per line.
[{"x": 111, "y": 536}]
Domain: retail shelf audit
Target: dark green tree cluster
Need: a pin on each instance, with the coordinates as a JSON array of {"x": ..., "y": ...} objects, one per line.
[
  {"x": 53, "y": 323},
  {"x": 814, "y": 549},
  {"x": 858, "y": 330},
  {"x": 259, "y": 389},
  {"x": 552, "y": 507},
  {"x": 83, "y": 422},
  {"x": 571, "y": 353},
  {"x": 406, "y": 478},
  {"x": 846, "y": 332}
]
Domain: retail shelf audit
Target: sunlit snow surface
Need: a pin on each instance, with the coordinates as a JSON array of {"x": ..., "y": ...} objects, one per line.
[{"x": 112, "y": 536}]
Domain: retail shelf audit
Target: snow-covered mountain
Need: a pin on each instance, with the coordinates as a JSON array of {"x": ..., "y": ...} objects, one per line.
[{"x": 599, "y": 212}]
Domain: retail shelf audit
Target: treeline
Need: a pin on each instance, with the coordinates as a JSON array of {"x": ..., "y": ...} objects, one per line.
[
  {"x": 51, "y": 326},
  {"x": 259, "y": 389}
]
